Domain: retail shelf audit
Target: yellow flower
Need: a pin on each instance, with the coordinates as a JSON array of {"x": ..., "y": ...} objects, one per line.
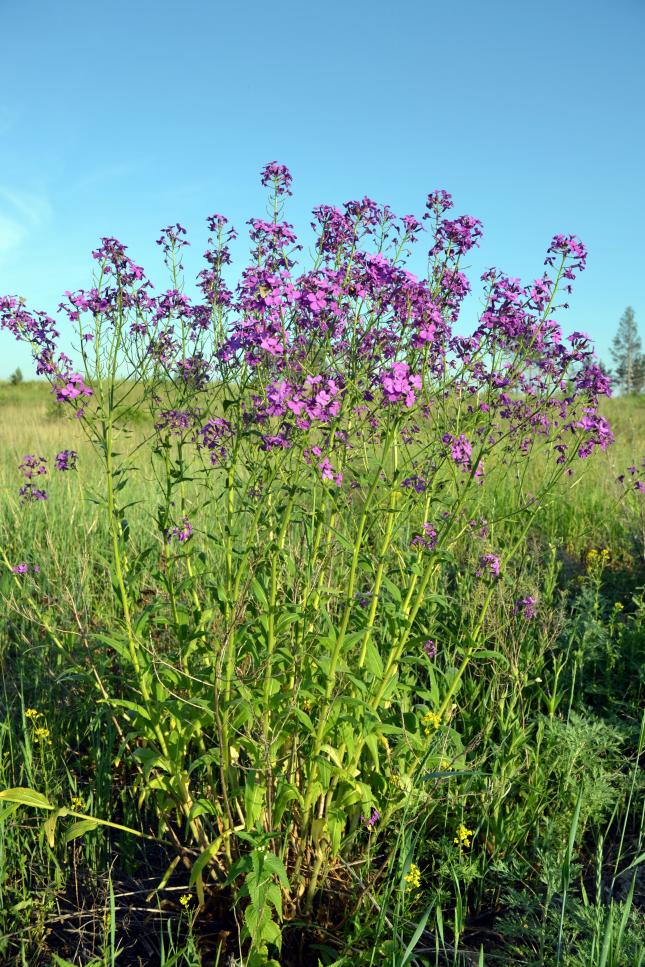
[
  {"x": 76, "y": 802},
  {"x": 42, "y": 735},
  {"x": 431, "y": 721},
  {"x": 618, "y": 606},
  {"x": 597, "y": 559},
  {"x": 185, "y": 900},
  {"x": 413, "y": 878},
  {"x": 462, "y": 839},
  {"x": 33, "y": 714}
]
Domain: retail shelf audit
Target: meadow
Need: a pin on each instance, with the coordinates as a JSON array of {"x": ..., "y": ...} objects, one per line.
[{"x": 323, "y": 628}]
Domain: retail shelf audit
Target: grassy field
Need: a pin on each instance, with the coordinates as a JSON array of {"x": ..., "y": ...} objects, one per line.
[{"x": 529, "y": 854}]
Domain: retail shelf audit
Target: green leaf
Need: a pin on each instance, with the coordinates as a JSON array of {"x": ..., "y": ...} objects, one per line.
[
  {"x": 373, "y": 660},
  {"x": 275, "y": 865},
  {"x": 49, "y": 826},
  {"x": 392, "y": 588},
  {"x": 80, "y": 828},
  {"x": 371, "y": 741},
  {"x": 8, "y": 810},
  {"x": 26, "y": 797},
  {"x": 408, "y": 953},
  {"x": 204, "y": 859}
]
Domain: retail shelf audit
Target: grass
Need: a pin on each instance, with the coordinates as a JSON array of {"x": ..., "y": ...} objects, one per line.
[{"x": 551, "y": 784}]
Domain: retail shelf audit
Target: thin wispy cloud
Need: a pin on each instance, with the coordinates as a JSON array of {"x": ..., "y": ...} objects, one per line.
[
  {"x": 21, "y": 215},
  {"x": 107, "y": 173}
]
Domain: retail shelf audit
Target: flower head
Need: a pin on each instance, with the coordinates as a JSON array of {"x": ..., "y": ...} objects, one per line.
[
  {"x": 430, "y": 648},
  {"x": 462, "y": 839},
  {"x": 182, "y": 533},
  {"x": 488, "y": 564},
  {"x": 278, "y": 177},
  {"x": 431, "y": 722},
  {"x": 525, "y": 607},
  {"x": 372, "y": 819},
  {"x": 66, "y": 460},
  {"x": 413, "y": 877}
]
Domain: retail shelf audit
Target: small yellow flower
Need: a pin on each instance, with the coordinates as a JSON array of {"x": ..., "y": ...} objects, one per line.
[
  {"x": 431, "y": 722},
  {"x": 618, "y": 606},
  {"x": 33, "y": 714},
  {"x": 462, "y": 839},
  {"x": 76, "y": 802},
  {"x": 185, "y": 900},
  {"x": 42, "y": 734},
  {"x": 444, "y": 765},
  {"x": 413, "y": 878},
  {"x": 597, "y": 559}
]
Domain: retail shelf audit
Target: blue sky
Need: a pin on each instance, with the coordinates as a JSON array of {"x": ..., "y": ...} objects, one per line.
[{"x": 119, "y": 118}]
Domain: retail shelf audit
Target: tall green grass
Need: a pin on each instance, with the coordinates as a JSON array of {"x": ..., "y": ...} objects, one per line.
[{"x": 552, "y": 785}]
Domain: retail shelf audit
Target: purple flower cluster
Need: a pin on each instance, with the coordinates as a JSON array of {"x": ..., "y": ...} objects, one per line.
[
  {"x": 635, "y": 476},
  {"x": 357, "y": 339},
  {"x": 461, "y": 450},
  {"x": 278, "y": 177},
  {"x": 489, "y": 564},
  {"x": 213, "y": 436},
  {"x": 24, "y": 568},
  {"x": 32, "y": 466},
  {"x": 398, "y": 385},
  {"x": 372, "y": 819},
  {"x": 526, "y": 607},
  {"x": 430, "y": 648},
  {"x": 182, "y": 533},
  {"x": 177, "y": 422},
  {"x": 66, "y": 460},
  {"x": 426, "y": 541}
]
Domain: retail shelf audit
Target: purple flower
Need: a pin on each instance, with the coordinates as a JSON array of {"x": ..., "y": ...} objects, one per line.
[
  {"x": 278, "y": 177},
  {"x": 488, "y": 564},
  {"x": 24, "y": 568},
  {"x": 461, "y": 450},
  {"x": 30, "y": 494},
  {"x": 373, "y": 818},
  {"x": 427, "y": 540},
  {"x": 177, "y": 421},
  {"x": 71, "y": 387},
  {"x": 194, "y": 371},
  {"x": 438, "y": 202},
  {"x": 416, "y": 483},
  {"x": 32, "y": 466},
  {"x": 171, "y": 238},
  {"x": 430, "y": 648},
  {"x": 398, "y": 385},
  {"x": 66, "y": 460},
  {"x": 181, "y": 533},
  {"x": 525, "y": 607}
]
